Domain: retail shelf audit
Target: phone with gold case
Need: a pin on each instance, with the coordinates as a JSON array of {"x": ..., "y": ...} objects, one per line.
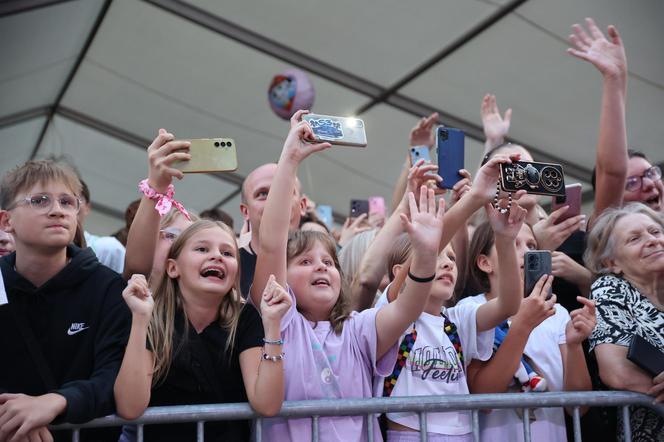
[{"x": 210, "y": 155}]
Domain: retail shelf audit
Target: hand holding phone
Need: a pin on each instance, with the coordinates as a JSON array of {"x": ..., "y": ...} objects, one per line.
[
  {"x": 536, "y": 263},
  {"x": 342, "y": 131},
  {"x": 572, "y": 199},
  {"x": 358, "y": 207},
  {"x": 536, "y": 178},
  {"x": 419, "y": 153}
]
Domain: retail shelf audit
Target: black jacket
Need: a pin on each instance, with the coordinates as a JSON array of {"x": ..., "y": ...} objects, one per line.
[{"x": 81, "y": 325}]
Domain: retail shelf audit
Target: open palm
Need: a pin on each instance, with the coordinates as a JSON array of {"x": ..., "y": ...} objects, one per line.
[{"x": 607, "y": 55}]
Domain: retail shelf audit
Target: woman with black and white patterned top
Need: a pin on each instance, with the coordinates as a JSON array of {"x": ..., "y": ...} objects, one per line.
[{"x": 626, "y": 252}]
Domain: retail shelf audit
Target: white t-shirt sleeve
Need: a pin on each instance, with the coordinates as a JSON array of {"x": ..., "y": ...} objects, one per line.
[
  {"x": 474, "y": 345},
  {"x": 563, "y": 318}
]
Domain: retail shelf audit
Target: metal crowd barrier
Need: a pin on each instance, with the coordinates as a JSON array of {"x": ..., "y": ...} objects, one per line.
[{"x": 374, "y": 406}]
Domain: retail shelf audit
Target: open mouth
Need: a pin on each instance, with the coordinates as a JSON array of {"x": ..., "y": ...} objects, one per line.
[
  {"x": 654, "y": 201},
  {"x": 321, "y": 282},
  {"x": 214, "y": 273}
]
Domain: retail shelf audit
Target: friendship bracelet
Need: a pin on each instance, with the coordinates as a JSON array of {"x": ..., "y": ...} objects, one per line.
[
  {"x": 495, "y": 200},
  {"x": 277, "y": 342},
  {"x": 267, "y": 357},
  {"x": 164, "y": 200},
  {"x": 422, "y": 280}
]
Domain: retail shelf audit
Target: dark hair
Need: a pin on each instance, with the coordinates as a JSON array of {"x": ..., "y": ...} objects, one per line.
[
  {"x": 477, "y": 281},
  {"x": 85, "y": 190},
  {"x": 631, "y": 153},
  {"x": 216, "y": 214},
  {"x": 490, "y": 154}
]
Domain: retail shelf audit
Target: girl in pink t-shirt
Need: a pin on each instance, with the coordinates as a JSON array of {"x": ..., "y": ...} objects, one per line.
[{"x": 329, "y": 352}]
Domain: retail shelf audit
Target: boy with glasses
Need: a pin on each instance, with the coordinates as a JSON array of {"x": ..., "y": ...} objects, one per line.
[{"x": 63, "y": 322}]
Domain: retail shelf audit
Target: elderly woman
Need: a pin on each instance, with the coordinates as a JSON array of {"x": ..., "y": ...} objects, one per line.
[{"x": 626, "y": 253}]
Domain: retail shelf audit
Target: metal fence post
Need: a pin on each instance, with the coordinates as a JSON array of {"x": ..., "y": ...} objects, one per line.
[
  {"x": 526, "y": 424},
  {"x": 576, "y": 419},
  {"x": 76, "y": 436},
  {"x": 627, "y": 429},
  {"x": 370, "y": 428},
  {"x": 476, "y": 425},
  {"x": 258, "y": 429},
  {"x": 314, "y": 428},
  {"x": 424, "y": 437},
  {"x": 200, "y": 431},
  {"x": 139, "y": 433}
]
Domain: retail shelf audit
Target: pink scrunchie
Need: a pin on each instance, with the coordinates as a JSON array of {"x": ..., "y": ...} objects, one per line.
[{"x": 164, "y": 200}]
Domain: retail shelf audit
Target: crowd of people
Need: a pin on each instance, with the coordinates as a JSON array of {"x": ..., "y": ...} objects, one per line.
[{"x": 178, "y": 309}]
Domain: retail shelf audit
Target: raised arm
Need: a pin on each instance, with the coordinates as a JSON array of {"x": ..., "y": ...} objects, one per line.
[
  {"x": 495, "y": 125},
  {"x": 271, "y": 256},
  {"x": 373, "y": 265},
  {"x": 134, "y": 382},
  {"x": 496, "y": 374},
  {"x": 420, "y": 135},
  {"x": 508, "y": 293},
  {"x": 608, "y": 56},
  {"x": 144, "y": 230},
  {"x": 424, "y": 229}
]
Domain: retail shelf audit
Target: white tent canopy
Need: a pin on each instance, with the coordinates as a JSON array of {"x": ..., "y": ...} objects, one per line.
[{"x": 96, "y": 79}]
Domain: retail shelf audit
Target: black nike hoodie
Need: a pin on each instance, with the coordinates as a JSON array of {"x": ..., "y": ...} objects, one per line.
[{"x": 81, "y": 325}]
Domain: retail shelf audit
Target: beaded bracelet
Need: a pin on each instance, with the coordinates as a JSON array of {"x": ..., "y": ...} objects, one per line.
[
  {"x": 267, "y": 357},
  {"x": 164, "y": 200},
  {"x": 277, "y": 342},
  {"x": 495, "y": 200}
]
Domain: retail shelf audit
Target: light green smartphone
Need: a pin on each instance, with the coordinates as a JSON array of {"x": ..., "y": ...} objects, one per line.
[{"x": 210, "y": 155}]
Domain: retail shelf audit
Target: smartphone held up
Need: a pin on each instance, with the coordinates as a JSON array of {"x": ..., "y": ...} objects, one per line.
[
  {"x": 210, "y": 155},
  {"x": 341, "y": 131}
]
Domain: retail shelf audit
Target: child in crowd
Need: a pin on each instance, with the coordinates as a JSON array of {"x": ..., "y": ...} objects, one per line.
[
  {"x": 436, "y": 349},
  {"x": 203, "y": 344},
  {"x": 63, "y": 324},
  {"x": 554, "y": 346},
  {"x": 330, "y": 352}
]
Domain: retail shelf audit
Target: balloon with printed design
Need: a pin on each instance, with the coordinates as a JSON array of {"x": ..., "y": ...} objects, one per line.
[{"x": 289, "y": 92}]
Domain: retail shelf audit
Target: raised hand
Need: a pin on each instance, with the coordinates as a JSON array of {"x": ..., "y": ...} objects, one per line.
[
  {"x": 422, "y": 134},
  {"x": 162, "y": 153},
  {"x": 275, "y": 302},
  {"x": 462, "y": 187},
  {"x": 550, "y": 235},
  {"x": 138, "y": 297},
  {"x": 506, "y": 224},
  {"x": 352, "y": 227},
  {"x": 301, "y": 142},
  {"x": 582, "y": 322},
  {"x": 421, "y": 174},
  {"x": 484, "y": 186},
  {"x": 425, "y": 226},
  {"x": 495, "y": 125},
  {"x": 535, "y": 308},
  {"x": 607, "y": 55}
]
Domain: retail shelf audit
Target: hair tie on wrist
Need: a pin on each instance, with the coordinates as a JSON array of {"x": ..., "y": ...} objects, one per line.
[
  {"x": 276, "y": 342},
  {"x": 421, "y": 280},
  {"x": 164, "y": 200}
]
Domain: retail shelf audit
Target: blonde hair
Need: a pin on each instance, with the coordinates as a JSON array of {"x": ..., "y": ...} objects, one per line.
[
  {"x": 350, "y": 255},
  {"x": 601, "y": 239},
  {"x": 168, "y": 300},
  {"x": 33, "y": 172},
  {"x": 300, "y": 242},
  {"x": 170, "y": 216}
]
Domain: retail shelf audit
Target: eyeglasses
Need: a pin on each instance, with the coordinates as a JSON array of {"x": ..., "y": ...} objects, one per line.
[
  {"x": 635, "y": 183},
  {"x": 170, "y": 233},
  {"x": 43, "y": 203}
]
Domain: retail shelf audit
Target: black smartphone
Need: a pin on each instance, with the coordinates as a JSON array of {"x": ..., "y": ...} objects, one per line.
[
  {"x": 358, "y": 207},
  {"x": 537, "y": 178},
  {"x": 450, "y": 148},
  {"x": 535, "y": 264}
]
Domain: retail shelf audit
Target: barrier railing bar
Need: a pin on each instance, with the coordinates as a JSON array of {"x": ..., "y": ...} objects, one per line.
[
  {"x": 370, "y": 428},
  {"x": 424, "y": 436},
  {"x": 576, "y": 420},
  {"x": 258, "y": 429},
  {"x": 139, "y": 433},
  {"x": 314, "y": 428},
  {"x": 200, "y": 432},
  {"x": 476, "y": 425},
  {"x": 359, "y": 407},
  {"x": 627, "y": 429},
  {"x": 76, "y": 436},
  {"x": 526, "y": 425}
]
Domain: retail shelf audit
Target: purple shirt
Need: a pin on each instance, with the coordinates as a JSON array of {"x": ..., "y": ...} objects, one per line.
[{"x": 322, "y": 365}]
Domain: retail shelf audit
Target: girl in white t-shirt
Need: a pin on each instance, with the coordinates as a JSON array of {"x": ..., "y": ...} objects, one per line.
[
  {"x": 542, "y": 330},
  {"x": 435, "y": 350}
]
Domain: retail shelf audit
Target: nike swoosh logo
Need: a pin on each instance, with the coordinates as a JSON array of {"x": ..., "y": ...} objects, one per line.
[{"x": 71, "y": 332}]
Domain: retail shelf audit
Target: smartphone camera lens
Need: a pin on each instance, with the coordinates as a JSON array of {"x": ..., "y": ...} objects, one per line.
[
  {"x": 443, "y": 135},
  {"x": 229, "y": 144},
  {"x": 216, "y": 144},
  {"x": 223, "y": 144}
]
